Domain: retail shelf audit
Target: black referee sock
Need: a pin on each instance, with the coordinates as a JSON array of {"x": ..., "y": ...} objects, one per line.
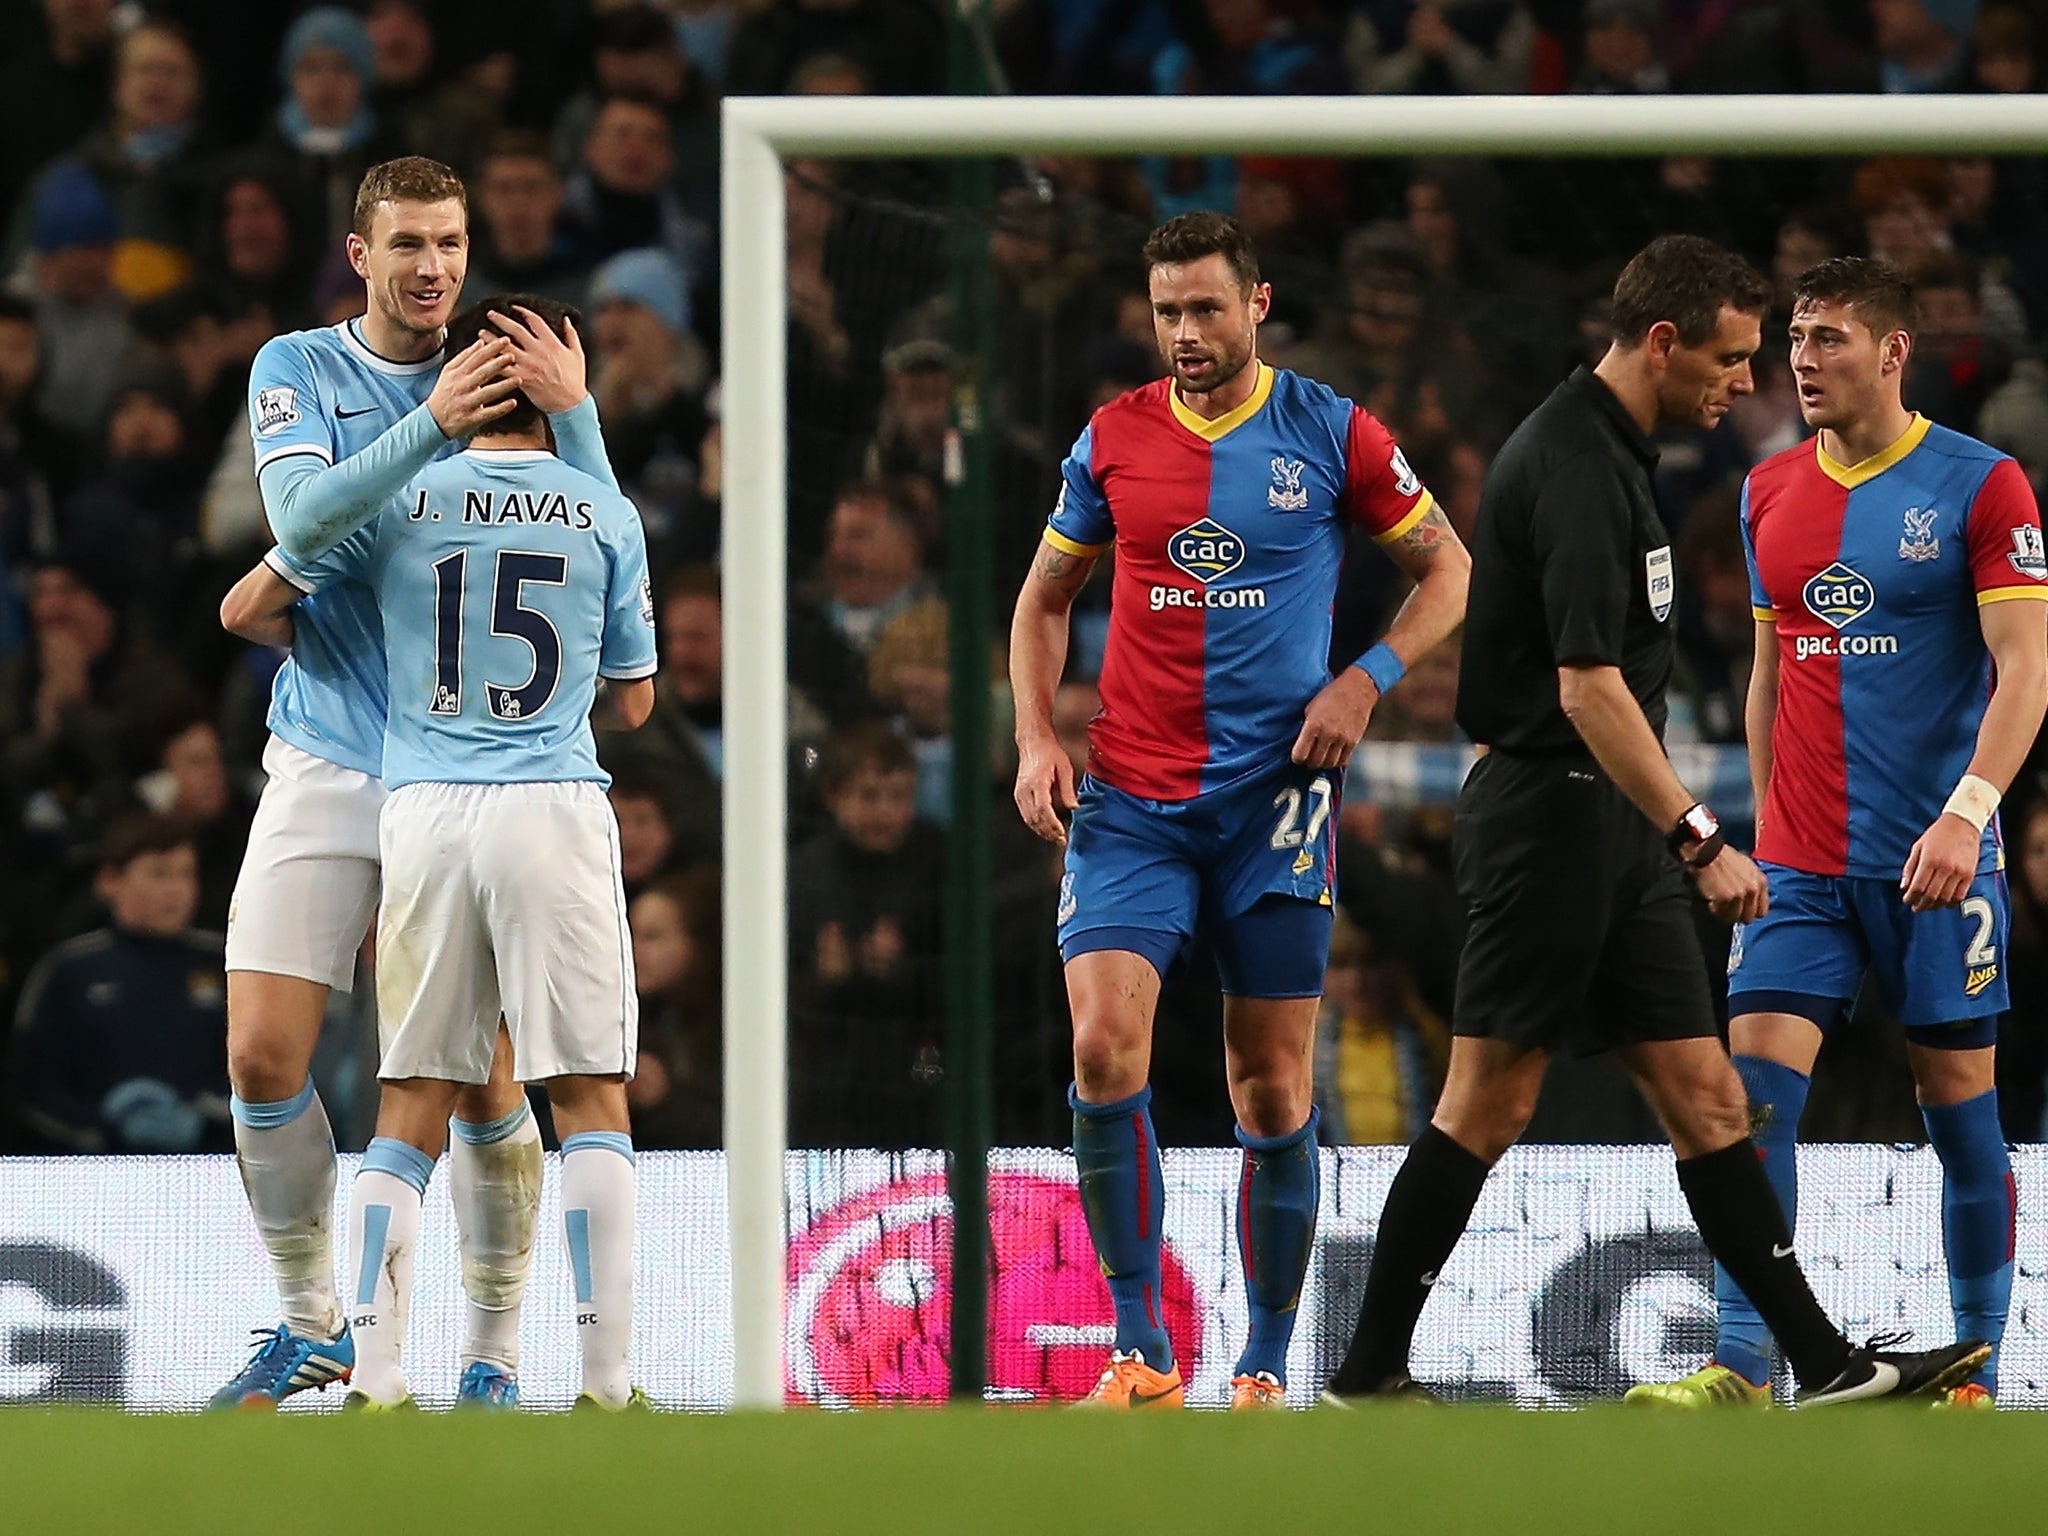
[
  {"x": 1744, "y": 1226},
  {"x": 1426, "y": 1211}
]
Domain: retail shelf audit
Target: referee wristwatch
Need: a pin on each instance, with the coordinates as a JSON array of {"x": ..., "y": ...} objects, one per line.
[{"x": 1695, "y": 840}]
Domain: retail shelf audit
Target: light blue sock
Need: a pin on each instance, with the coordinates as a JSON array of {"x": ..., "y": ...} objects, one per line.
[
  {"x": 1978, "y": 1201},
  {"x": 1777, "y": 1096},
  {"x": 1277, "y": 1197}
]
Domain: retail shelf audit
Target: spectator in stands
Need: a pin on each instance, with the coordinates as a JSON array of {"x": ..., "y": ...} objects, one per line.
[
  {"x": 2023, "y": 1032},
  {"x": 620, "y": 198},
  {"x": 1423, "y": 706},
  {"x": 35, "y": 465},
  {"x": 915, "y": 424},
  {"x": 677, "y": 1090},
  {"x": 138, "y": 510},
  {"x": 517, "y": 241},
  {"x": 1618, "y": 54},
  {"x": 2002, "y": 57},
  {"x": 148, "y": 157},
  {"x": 53, "y": 85},
  {"x": 1807, "y": 237},
  {"x": 638, "y": 54},
  {"x": 1956, "y": 367},
  {"x": 1907, "y": 211},
  {"x": 900, "y": 43},
  {"x": 910, "y": 677},
  {"x": 1371, "y": 343},
  {"x": 864, "y": 947},
  {"x": 1923, "y": 45},
  {"x": 188, "y": 782},
  {"x": 427, "y": 114},
  {"x": 873, "y": 567},
  {"x": 327, "y": 133},
  {"x": 1441, "y": 47},
  {"x": 121, "y": 1035},
  {"x": 81, "y": 318},
  {"x": 1716, "y": 626},
  {"x": 647, "y": 832},
  {"x": 649, "y": 384},
  {"x": 1380, "y": 1050},
  {"x": 65, "y": 700},
  {"x": 253, "y": 255}
]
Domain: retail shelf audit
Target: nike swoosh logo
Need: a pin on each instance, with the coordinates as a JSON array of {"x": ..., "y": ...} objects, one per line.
[
  {"x": 1778, "y": 1252},
  {"x": 341, "y": 415},
  {"x": 1430, "y": 1278},
  {"x": 1138, "y": 1397}
]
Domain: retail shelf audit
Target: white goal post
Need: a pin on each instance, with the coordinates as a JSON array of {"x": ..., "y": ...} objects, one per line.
[{"x": 760, "y": 131}]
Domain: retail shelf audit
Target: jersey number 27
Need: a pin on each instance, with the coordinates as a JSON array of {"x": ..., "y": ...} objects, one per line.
[{"x": 511, "y": 618}]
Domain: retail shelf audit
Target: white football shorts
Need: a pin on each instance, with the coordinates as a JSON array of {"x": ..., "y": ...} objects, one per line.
[
  {"x": 503, "y": 897},
  {"x": 308, "y": 885}
]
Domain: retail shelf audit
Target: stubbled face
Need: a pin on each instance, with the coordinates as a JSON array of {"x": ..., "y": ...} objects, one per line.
[
  {"x": 875, "y": 807},
  {"x": 156, "y": 893},
  {"x": 1840, "y": 365},
  {"x": 1205, "y": 322},
  {"x": 413, "y": 262},
  {"x": 1699, "y": 384}
]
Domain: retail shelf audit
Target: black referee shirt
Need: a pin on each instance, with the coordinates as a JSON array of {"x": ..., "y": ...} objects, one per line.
[{"x": 1570, "y": 564}]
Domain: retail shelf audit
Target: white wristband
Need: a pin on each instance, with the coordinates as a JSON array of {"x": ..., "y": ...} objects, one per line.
[{"x": 1973, "y": 799}]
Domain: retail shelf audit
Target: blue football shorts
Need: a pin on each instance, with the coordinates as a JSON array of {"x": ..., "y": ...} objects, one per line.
[
  {"x": 1248, "y": 872},
  {"x": 1942, "y": 972}
]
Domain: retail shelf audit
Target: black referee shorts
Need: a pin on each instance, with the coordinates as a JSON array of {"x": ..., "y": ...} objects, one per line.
[{"x": 1581, "y": 932}]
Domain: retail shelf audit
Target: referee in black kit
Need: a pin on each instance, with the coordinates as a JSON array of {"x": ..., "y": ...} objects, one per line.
[{"x": 1575, "y": 840}]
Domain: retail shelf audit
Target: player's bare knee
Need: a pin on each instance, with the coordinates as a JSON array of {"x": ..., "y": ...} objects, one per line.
[
  {"x": 1272, "y": 1104},
  {"x": 266, "y": 1066},
  {"x": 1109, "y": 1063},
  {"x": 482, "y": 1102},
  {"x": 1950, "y": 1077}
]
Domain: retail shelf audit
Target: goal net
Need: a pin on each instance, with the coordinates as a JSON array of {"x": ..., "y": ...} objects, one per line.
[{"x": 894, "y": 329}]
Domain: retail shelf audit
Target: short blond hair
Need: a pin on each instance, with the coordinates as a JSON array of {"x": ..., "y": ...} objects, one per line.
[{"x": 409, "y": 179}]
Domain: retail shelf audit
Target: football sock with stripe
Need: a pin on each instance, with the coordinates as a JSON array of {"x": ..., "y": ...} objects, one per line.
[
  {"x": 1977, "y": 1209},
  {"x": 383, "y": 1232},
  {"x": 1777, "y": 1098},
  {"x": 494, "y": 1178},
  {"x": 1117, "y": 1158},
  {"x": 285, "y": 1151},
  {"x": 597, "y": 1221},
  {"x": 1425, "y": 1215},
  {"x": 1744, "y": 1228},
  {"x": 1278, "y": 1193}
]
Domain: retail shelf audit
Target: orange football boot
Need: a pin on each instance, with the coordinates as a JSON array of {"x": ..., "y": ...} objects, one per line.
[
  {"x": 1256, "y": 1393},
  {"x": 1128, "y": 1382}
]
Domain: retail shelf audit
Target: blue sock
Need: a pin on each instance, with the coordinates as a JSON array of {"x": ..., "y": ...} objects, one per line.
[
  {"x": 1277, "y": 1197},
  {"x": 1777, "y": 1095},
  {"x": 1977, "y": 1200},
  {"x": 1117, "y": 1157}
]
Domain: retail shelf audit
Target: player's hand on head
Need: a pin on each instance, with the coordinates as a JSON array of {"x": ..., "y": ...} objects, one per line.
[
  {"x": 1735, "y": 889},
  {"x": 1045, "y": 790},
  {"x": 475, "y": 387},
  {"x": 550, "y": 369},
  {"x": 1335, "y": 721},
  {"x": 1942, "y": 864}
]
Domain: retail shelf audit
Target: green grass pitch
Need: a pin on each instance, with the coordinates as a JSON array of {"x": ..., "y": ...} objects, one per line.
[{"x": 904, "y": 1473}]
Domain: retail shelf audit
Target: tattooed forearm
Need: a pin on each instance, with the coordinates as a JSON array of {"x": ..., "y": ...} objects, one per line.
[{"x": 1060, "y": 569}]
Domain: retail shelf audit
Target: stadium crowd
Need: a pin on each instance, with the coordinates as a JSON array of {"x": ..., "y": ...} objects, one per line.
[{"x": 175, "y": 183}]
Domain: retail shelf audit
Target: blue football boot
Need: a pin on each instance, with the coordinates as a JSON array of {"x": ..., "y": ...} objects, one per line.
[
  {"x": 487, "y": 1387},
  {"x": 283, "y": 1363}
]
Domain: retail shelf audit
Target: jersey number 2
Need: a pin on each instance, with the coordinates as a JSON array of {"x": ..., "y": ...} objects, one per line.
[
  {"x": 511, "y": 618},
  {"x": 1287, "y": 832}
]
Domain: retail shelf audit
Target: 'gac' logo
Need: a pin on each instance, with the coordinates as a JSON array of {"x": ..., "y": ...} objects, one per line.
[
  {"x": 1206, "y": 550},
  {"x": 1838, "y": 596}
]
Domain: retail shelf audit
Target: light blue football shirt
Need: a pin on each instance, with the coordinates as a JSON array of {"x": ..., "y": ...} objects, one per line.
[
  {"x": 508, "y": 584},
  {"x": 324, "y": 394}
]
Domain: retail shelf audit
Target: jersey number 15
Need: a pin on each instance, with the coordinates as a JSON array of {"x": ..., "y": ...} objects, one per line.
[{"x": 511, "y": 618}]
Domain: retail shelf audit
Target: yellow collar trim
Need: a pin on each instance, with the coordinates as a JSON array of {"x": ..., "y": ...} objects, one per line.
[
  {"x": 1209, "y": 430},
  {"x": 1853, "y": 475}
]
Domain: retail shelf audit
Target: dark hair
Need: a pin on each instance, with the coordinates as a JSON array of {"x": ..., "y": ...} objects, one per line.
[
  {"x": 632, "y": 781},
  {"x": 864, "y": 744},
  {"x": 520, "y": 144},
  {"x": 408, "y": 179},
  {"x": 144, "y": 832},
  {"x": 633, "y": 29},
  {"x": 466, "y": 327},
  {"x": 1190, "y": 236},
  {"x": 688, "y": 581},
  {"x": 1686, "y": 281},
  {"x": 1881, "y": 294}
]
